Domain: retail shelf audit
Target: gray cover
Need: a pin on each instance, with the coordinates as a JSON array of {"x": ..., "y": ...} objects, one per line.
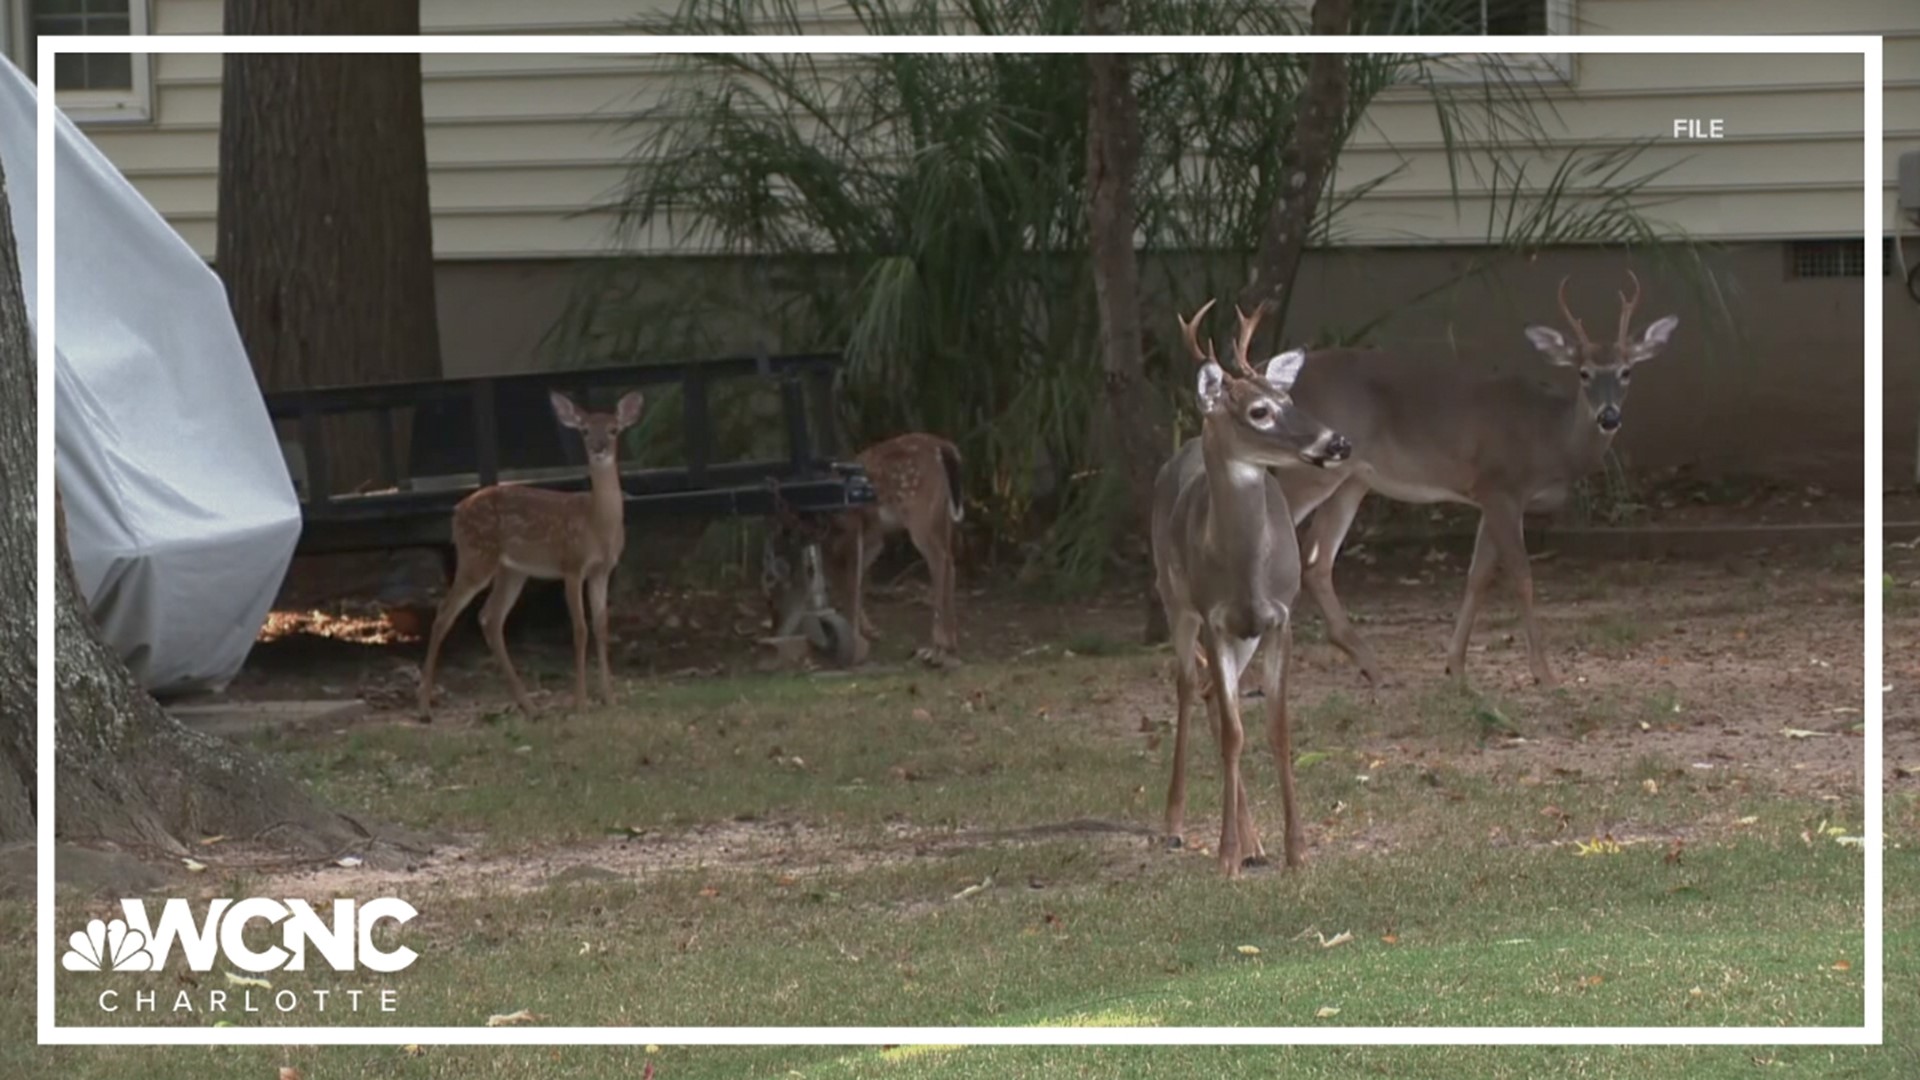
[{"x": 180, "y": 512}]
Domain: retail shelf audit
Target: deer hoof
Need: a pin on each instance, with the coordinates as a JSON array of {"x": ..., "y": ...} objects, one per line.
[
  {"x": 1256, "y": 862},
  {"x": 1173, "y": 841}
]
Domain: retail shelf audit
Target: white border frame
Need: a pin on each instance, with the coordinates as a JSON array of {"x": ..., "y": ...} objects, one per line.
[{"x": 1870, "y": 1033}]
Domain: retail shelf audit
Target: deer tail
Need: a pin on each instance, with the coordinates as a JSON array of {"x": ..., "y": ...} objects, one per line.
[{"x": 950, "y": 460}]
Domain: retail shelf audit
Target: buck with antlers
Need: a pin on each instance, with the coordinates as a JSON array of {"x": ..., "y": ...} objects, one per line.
[
  {"x": 1426, "y": 431},
  {"x": 1227, "y": 567},
  {"x": 916, "y": 486},
  {"x": 508, "y": 533}
]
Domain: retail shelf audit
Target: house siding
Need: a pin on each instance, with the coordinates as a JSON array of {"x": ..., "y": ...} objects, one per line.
[{"x": 519, "y": 146}]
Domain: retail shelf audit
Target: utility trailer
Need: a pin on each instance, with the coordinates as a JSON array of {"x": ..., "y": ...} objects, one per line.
[{"x": 469, "y": 433}]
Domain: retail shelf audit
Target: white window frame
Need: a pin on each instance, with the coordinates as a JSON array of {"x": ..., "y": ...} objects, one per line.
[
  {"x": 130, "y": 106},
  {"x": 1557, "y": 67}
]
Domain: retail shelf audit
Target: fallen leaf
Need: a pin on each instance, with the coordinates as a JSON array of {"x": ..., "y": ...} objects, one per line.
[
  {"x": 983, "y": 886},
  {"x": 1340, "y": 938},
  {"x": 1599, "y": 845},
  {"x": 194, "y": 866},
  {"x": 212, "y": 840},
  {"x": 923, "y": 716},
  {"x": 1326, "y": 1012},
  {"x": 414, "y": 1050},
  {"x": 709, "y": 892},
  {"x": 1391, "y": 939},
  {"x": 1843, "y": 966},
  {"x": 1650, "y": 786},
  {"x": 243, "y": 981},
  {"x": 1749, "y": 820},
  {"x": 348, "y": 861},
  {"x": 288, "y": 1072},
  {"x": 1309, "y": 759},
  {"x": 1248, "y": 950},
  {"x": 1803, "y": 733},
  {"x": 1591, "y": 980},
  {"x": 519, "y": 1016},
  {"x": 585, "y": 948}
]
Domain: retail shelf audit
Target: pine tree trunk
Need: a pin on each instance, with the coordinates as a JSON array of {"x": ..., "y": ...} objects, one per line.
[
  {"x": 129, "y": 775},
  {"x": 1135, "y": 427},
  {"x": 17, "y": 648},
  {"x": 325, "y": 235},
  {"x": 1305, "y": 164}
]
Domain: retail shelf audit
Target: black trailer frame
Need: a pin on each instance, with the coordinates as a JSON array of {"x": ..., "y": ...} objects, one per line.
[{"x": 465, "y": 414}]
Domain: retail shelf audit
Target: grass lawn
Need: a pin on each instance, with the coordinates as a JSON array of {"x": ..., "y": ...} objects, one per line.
[{"x": 975, "y": 847}]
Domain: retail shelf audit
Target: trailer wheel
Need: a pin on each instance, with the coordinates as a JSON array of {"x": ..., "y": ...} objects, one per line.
[{"x": 832, "y": 635}]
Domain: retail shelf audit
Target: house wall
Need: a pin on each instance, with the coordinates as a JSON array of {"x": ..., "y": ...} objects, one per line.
[
  {"x": 1770, "y": 386},
  {"x": 518, "y": 145}
]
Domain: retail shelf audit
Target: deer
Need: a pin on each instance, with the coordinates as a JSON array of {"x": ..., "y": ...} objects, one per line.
[
  {"x": 1425, "y": 431},
  {"x": 917, "y": 489},
  {"x": 1227, "y": 568},
  {"x": 507, "y": 533}
]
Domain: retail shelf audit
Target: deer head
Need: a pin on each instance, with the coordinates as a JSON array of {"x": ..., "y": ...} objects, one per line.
[
  {"x": 600, "y": 431},
  {"x": 1253, "y": 411},
  {"x": 1605, "y": 370}
]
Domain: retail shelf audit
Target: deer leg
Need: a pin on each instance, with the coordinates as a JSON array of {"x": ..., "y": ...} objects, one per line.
[
  {"x": 597, "y": 602},
  {"x": 493, "y": 623},
  {"x": 1509, "y": 533},
  {"x": 1186, "y": 676},
  {"x": 468, "y": 580},
  {"x": 1486, "y": 561},
  {"x": 1229, "y": 659},
  {"x": 576, "y": 607},
  {"x": 1280, "y": 735},
  {"x": 866, "y": 551},
  {"x": 1319, "y": 547},
  {"x": 932, "y": 540}
]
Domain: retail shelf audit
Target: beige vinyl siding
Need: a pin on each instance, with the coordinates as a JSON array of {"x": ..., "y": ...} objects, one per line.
[{"x": 519, "y": 145}]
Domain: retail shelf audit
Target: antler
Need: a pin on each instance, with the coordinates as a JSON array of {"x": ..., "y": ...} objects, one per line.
[
  {"x": 1579, "y": 328},
  {"x": 1248, "y": 324},
  {"x": 1626, "y": 308},
  {"x": 1190, "y": 329}
]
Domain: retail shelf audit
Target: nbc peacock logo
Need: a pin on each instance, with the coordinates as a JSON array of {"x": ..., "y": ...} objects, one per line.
[{"x": 107, "y": 946}]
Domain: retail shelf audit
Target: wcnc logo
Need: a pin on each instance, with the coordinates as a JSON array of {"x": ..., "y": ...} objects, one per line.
[{"x": 135, "y": 943}]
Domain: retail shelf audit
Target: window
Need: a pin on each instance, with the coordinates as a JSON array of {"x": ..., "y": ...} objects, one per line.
[
  {"x": 1835, "y": 259},
  {"x": 1501, "y": 18},
  {"x": 89, "y": 87}
]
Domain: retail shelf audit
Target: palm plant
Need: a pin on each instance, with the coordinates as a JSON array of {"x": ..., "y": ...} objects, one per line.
[{"x": 926, "y": 213}]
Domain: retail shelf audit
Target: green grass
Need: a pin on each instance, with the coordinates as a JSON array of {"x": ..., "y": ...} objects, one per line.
[{"x": 1467, "y": 902}]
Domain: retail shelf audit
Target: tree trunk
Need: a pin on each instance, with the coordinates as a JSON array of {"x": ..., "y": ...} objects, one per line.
[
  {"x": 1135, "y": 428},
  {"x": 17, "y": 643},
  {"x": 129, "y": 774},
  {"x": 325, "y": 236},
  {"x": 1305, "y": 164}
]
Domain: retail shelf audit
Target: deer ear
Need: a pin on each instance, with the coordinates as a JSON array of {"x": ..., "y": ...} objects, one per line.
[
  {"x": 628, "y": 411},
  {"x": 1654, "y": 340},
  {"x": 1551, "y": 345},
  {"x": 566, "y": 410},
  {"x": 1212, "y": 388},
  {"x": 1283, "y": 369}
]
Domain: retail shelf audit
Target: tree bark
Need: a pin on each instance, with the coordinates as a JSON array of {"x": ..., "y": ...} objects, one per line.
[
  {"x": 1135, "y": 428},
  {"x": 17, "y": 593},
  {"x": 1305, "y": 164},
  {"x": 129, "y": 775},
  {"x": 325, "y": 233}
]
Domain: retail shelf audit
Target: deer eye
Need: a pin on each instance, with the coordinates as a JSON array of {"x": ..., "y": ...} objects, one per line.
[
  {"x": 1626, "y": 374},
  {"x": 1259, "y": 413},
  {"x": 1586, "y": 375}
]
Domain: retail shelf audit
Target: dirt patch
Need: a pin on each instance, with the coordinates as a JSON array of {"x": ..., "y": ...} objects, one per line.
[{"x": 788, "y": 848}]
